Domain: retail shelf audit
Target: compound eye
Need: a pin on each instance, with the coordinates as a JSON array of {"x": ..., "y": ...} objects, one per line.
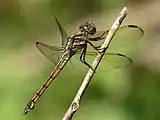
[
  {"x": 83, "y": 27},
  {"x": 88, "y": 27},
  {"x": 92, "y": 29}
]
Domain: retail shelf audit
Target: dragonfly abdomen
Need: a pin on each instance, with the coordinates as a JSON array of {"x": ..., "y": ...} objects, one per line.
[
  {"x": 44, "y": 87},
  {"x": 53, "y": 75}
]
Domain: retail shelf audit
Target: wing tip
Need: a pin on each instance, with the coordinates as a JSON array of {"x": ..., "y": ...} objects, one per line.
[
  {"x": 135, "y": 26},
  {"x": 130, "y": 59},
  {"x": 40, "y": 43},
  {"x": 37, "y": 43}
]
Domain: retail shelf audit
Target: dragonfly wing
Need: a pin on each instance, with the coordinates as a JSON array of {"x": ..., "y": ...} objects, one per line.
[
  {"x": 126, "y": 36},
  {"x": 53, "y": 53},
  {"x": 110, "y": 61},
  {"x": 113, "y": 60},
  {"x": 63, "y": 33}
]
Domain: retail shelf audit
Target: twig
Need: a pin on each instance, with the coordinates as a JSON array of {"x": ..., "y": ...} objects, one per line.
[{"x": 76, "y": 102}]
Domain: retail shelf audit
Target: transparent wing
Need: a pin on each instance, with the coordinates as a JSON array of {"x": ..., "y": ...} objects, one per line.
[
  {"x": 110, "y": 61},
  {"x": 53, "y": 53},
  {"x": 63, "y": 33},
  {"x": 126, "y": 36}
]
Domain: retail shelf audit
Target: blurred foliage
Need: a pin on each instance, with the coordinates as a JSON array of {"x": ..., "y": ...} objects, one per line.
[{"x": 127, "y": 94}]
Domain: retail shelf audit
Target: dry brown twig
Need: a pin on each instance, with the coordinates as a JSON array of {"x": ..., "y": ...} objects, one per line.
[{"x": 76, "y": 102}]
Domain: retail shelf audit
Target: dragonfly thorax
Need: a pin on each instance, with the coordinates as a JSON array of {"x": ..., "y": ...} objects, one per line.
[{"x": 88, "y": 27}]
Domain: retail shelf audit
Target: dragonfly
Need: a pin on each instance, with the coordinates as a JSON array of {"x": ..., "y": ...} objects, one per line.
[{"x": 76, "y": 44}]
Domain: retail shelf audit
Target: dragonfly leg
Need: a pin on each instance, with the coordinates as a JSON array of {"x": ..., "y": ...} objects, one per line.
[
  {"x": 82, "y": 57},
  {"x": 95, "y": 47},
  {"x": 99, "y": 37}
]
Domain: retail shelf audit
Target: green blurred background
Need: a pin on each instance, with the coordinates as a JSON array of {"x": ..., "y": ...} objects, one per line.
[{"x": 131, "y": 93}]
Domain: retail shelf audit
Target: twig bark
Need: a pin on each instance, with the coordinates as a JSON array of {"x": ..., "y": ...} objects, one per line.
[{"x": 76, "y": 102}]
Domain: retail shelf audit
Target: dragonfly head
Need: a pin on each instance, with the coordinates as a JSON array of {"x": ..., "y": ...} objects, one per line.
[{"x": 88, "y": 27}]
